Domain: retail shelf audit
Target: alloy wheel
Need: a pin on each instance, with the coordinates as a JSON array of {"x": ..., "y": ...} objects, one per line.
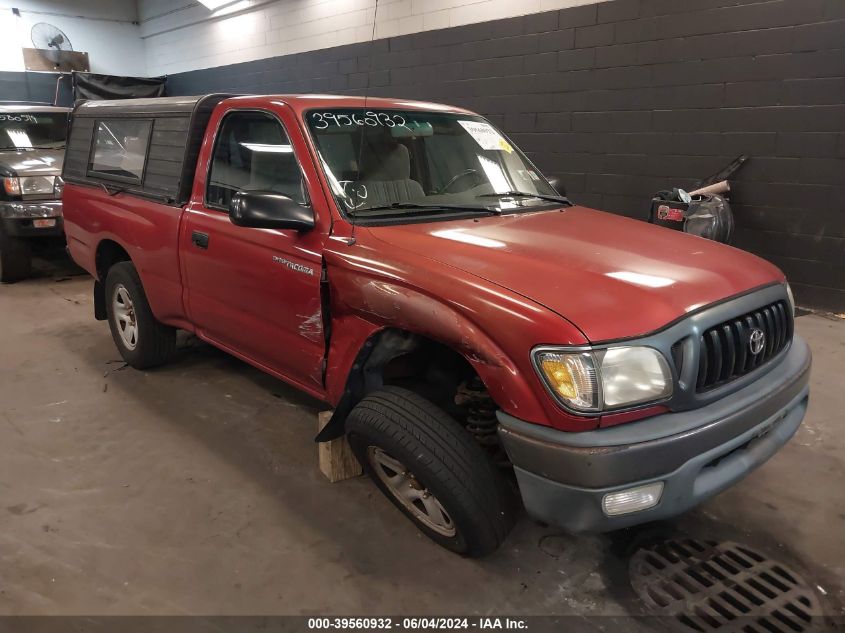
[
  {"x": 408, "y": 490},
  {"x": 124, "y": 314}
]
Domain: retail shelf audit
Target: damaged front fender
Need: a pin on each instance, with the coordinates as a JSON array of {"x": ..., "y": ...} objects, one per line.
[{"x": 491, "y": 328}]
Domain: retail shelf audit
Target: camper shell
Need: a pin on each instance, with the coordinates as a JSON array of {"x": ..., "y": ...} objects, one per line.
[{"x": 174, "y": 136}]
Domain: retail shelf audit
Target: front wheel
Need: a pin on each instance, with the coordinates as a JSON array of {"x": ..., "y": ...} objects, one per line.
[
  {"x": 432, "y": 470},
  {"x": 142, "y": 341}
]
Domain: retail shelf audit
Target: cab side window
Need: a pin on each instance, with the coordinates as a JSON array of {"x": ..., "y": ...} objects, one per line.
[{"x": 253, "y": 153}]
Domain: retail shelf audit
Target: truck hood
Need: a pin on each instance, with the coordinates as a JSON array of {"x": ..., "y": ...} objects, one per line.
[
  {"x": 33, "y": 162},
  {"x": 611, "y": 276}
]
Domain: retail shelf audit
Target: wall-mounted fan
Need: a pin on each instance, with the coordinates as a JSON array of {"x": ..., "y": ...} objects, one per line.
[
  {"x": 50, "y": 39},
  {"x": 52, "y": 50}
]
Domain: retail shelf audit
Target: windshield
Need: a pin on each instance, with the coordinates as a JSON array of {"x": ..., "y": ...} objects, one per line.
[
  {"x": 33, "y": 130},
  {"x": 399, "y": 162}
]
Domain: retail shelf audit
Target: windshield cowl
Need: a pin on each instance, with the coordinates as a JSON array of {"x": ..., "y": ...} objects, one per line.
[
  {"x": 508, "y": 195},
  {"x": 444, "y": 208}
]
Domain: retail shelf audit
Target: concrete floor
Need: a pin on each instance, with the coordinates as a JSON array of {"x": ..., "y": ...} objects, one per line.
[{"x": 193, "y": 489}]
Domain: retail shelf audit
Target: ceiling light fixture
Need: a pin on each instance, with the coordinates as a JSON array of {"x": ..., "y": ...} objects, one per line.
[{"x": 213, "y": 5}]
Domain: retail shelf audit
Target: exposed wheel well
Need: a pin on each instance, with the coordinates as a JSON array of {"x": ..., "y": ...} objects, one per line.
[
  {"x": 108, "y": 254},
  {"x": 422, "y": 365},
  {"x": 428, "y": 368}
]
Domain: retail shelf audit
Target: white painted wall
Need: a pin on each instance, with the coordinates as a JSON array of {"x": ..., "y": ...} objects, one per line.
[
  {"x": 153, "y": 37},
  {"x": 181, "y": 35},
  {"x": 106, "y": 29}
]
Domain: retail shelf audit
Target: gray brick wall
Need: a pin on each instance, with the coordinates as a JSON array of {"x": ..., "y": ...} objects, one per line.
[{"x": 623, "y": 98}]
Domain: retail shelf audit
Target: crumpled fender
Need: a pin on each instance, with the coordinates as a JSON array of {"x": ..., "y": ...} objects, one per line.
[{"x": 489, "y": 326}]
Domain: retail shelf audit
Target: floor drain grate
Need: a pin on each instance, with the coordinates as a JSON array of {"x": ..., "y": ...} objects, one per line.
[{"x": 708, "y": 586}]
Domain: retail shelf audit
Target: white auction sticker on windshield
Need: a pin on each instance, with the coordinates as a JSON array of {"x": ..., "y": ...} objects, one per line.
[{"x": 486, "y": 135}]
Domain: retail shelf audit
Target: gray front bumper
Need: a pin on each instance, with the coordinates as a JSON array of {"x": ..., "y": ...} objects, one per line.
[
  {"x": 17, "y": 218},
  {"x": 563, "y": 477}
]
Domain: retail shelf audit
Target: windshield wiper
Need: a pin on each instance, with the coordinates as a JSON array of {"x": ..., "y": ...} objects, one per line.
[
  {"x": 523, "y": 194},
  {"x": 393, "y": 206}
]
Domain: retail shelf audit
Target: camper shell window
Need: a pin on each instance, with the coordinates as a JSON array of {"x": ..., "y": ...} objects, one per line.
[{"x": 120, "y": 147}]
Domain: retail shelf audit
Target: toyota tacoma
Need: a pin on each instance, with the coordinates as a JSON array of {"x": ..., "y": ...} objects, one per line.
[{"x": 481, "y": 339}]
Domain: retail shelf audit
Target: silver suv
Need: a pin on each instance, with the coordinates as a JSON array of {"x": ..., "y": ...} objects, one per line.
[{"x": 32, "y": 150}]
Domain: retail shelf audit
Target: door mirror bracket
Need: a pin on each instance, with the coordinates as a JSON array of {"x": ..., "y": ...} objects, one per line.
[{"x": 269, "y": 210}]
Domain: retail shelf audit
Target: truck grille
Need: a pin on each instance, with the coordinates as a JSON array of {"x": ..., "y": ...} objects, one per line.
[{"x": 726, "y": 349}]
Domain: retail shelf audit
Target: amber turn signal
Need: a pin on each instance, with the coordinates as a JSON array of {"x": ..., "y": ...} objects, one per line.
[
  {"x": 571, "y": 377},
  {"x": 12, "y": 186}
]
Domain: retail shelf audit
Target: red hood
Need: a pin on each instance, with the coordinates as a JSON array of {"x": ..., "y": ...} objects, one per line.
[{"x": 611, "y": 276}]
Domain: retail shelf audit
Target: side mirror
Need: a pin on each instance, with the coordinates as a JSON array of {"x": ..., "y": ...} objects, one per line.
[
  {"x": 269, "y": 210},
  {"x": 557, "y": 185}
]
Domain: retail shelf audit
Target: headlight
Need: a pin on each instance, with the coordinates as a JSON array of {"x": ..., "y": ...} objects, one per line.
[
  {"x": 791, "y": 299},
  {"x": 604, "y": 379},
  {"x": 631, "y": 375},
  {"x": 58, "y": 186},
  {"x": 29, "y": 185}
]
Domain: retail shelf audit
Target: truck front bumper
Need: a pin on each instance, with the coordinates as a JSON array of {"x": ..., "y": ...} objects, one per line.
[
  {"x": 41, "y": 218},
  {"x": 565, "y": 477}
]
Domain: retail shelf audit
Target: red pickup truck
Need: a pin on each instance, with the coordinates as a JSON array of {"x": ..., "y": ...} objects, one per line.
[{"x": 479, "y": 337}]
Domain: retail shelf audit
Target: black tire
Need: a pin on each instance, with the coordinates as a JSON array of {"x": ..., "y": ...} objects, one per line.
[
  {"x": 155, "y": 343},
  {"x": 443, "y": 458},
  {"x": 15, "y": 259}
]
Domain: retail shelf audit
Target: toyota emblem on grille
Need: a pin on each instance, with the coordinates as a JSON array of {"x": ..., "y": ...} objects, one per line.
[{"x": 756, "y": 341}]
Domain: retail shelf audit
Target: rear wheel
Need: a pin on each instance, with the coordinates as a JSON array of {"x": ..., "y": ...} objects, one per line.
[
  {"x": 432, "y": 470},
  {"x": 15, "y": 258},
  {"x": 142, "y": 341}
]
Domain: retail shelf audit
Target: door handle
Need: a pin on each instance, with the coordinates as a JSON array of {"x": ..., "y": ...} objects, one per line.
[{"x": 200, "y": 240}]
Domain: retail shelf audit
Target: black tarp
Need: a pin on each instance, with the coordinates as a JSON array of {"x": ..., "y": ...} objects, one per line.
[{"x": 93, "y": 86}]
